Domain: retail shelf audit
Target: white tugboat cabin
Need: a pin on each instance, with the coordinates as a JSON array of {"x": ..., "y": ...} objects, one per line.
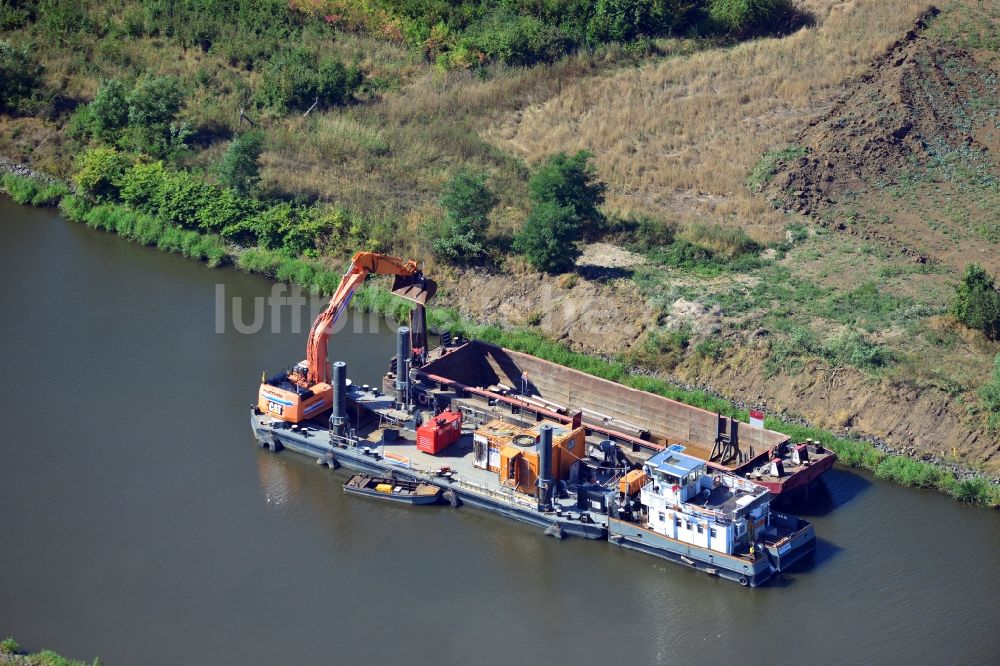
[{"x": 712, "y": 521}]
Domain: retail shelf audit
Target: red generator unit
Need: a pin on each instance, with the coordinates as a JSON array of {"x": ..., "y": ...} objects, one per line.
[{"x": 439, "y": 433}]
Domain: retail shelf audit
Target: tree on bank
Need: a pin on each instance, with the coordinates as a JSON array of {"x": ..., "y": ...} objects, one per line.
[
  {"x": 20, "y": 78},
  {"x": 571, "y": 181},
  {"x": 549, "y": 236},
  {"x": 977, "y": 302},
  {"x": 460, "y": 236},
  {"x": 240, "y": 166}
]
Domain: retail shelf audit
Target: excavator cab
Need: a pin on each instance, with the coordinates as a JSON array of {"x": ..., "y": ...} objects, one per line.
[{"x": 414, "y": 288}]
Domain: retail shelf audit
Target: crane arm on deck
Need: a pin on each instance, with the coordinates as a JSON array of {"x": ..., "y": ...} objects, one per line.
[{"x": 409, "y": 283}]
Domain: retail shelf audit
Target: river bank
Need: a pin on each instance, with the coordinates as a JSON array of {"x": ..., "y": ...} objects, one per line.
[{"x": 25, "y": 186}]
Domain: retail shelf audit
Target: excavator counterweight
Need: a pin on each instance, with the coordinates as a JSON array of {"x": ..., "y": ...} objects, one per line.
[{"x": 305, "y": 392}]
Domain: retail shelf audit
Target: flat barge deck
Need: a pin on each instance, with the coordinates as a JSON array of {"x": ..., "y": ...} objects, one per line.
[
  {"x": 462, "y": 483},
  {"x": 514, "y": 383}
]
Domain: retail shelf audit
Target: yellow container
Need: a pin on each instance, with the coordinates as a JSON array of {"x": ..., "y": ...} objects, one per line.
[{"x": 384, "y": 488}]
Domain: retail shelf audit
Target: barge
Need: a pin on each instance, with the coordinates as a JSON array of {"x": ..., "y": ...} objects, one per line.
[
  {"x": 538, "y": 467},
  {"x": 542, "y": 444}
]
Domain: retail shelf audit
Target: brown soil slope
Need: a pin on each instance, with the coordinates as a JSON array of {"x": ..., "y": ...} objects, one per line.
[{"x": 927, "y": 104}]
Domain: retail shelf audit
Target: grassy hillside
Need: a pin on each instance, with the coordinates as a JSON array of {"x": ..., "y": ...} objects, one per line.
[{"x": 786, "y": 208}]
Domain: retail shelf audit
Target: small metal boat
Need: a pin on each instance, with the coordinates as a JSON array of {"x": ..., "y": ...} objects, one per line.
[{"x": 392, "y": 489}]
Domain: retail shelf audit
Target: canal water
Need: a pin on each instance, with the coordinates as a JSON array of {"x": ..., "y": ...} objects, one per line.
[{"x": 139, "y": 523}]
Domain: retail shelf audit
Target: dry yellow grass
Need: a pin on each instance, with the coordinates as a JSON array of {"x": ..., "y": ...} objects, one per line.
[{"x": 676, "y": 139}]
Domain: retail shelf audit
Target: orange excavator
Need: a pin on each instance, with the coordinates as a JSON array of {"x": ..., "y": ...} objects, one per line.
[{"x": 306, "y": 392}]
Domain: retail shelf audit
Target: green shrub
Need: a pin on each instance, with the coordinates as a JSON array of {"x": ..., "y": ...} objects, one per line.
[
  {"x": 744, "y": 18},
  {"x": 240, "y": 166},
  {"x": 977, "y": 302},
  {"x": 295, "y": 80},
  {"x": 108, "y": 114},
  {"x": 242, "y": 30},
  {"x": 153, "y": 125},
  {"x": 974, "y": 490},
  {"x": 549, "y": 236},
  {"x": 645, "y": 234},
  {"x": 9, "y": 646},
  {"x": 179, "y": 197},
  {"x": 63, "y": 21},
  {"x": 662, "y": 350},
  {"x": 570, "y": 181},
  {"x": 990, "y": 395},
  {"x": 257, "y": 260},
  {"x": 685, "y": 254},
  {"x": 20, "y": 189},
  {"x": 853, "y": 348},
  {"x": 99, "y": 171},
  {"x": 74, "y": 207},
  {"x": 296, "y": 270},
  {"x": 467, "y": 199},
  {"x": 33, "y": 191},
  {"x": 710, "y": 349},
  {"x": 453, "y": 242},
  {"x": 13, "y": 16},
  {"x": 20, "y": 78},
  {"x": 148, "y": 230},
  {"x": 723, "y": 240},
  {"x": 459, "y": 238},
  {"x": 625, "y": 20},
  {"x": 516, "y": 39}
]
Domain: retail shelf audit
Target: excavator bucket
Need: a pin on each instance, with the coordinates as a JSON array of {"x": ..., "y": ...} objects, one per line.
[{"x": 414, "y": 288}]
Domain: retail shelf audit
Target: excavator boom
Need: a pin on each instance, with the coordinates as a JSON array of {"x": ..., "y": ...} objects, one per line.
[
  {"x": 408, "y": 283},
  {"x": 289, "y": 402}
]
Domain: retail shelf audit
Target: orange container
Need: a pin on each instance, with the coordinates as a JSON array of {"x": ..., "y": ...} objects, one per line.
[
  {"x": 632, "y": 482},
  {"x": 487, "y": 441}
]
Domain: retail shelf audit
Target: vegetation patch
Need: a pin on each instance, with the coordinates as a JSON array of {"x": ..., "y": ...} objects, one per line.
[
  {"x": 464, "y": 33},
  {"x": 977, "y": 302},
  {"x": 769, "y": 165},
  {"x": 990, "y": 395},
  {"x": 33, "y": 191},
  {"x": 10, "y": 652}
]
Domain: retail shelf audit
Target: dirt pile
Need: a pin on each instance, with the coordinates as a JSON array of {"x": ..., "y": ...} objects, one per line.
[{"x": 920, "y": 100}]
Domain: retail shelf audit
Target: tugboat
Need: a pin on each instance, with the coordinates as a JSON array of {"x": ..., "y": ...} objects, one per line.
[
  {"x": 719, "y": 523},
  {"x": 392, "y": 489}
]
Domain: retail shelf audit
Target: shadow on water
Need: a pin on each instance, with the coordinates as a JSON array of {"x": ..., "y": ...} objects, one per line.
[{"x": 835, "y": 489}]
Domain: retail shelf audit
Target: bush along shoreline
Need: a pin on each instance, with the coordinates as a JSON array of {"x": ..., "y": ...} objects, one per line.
[
  {"x": 12, "y": 655},
  {"x": 146, "y": 229}
]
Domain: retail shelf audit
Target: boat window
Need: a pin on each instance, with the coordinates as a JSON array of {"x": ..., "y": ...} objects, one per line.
[
  {"x": 662, "y": 517},
  {"x": 687, "y": 524},
  {"x": 677, "y": 522},
  {"x": 701, "y": 529},
  {"x": 713, "y": 533}
]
